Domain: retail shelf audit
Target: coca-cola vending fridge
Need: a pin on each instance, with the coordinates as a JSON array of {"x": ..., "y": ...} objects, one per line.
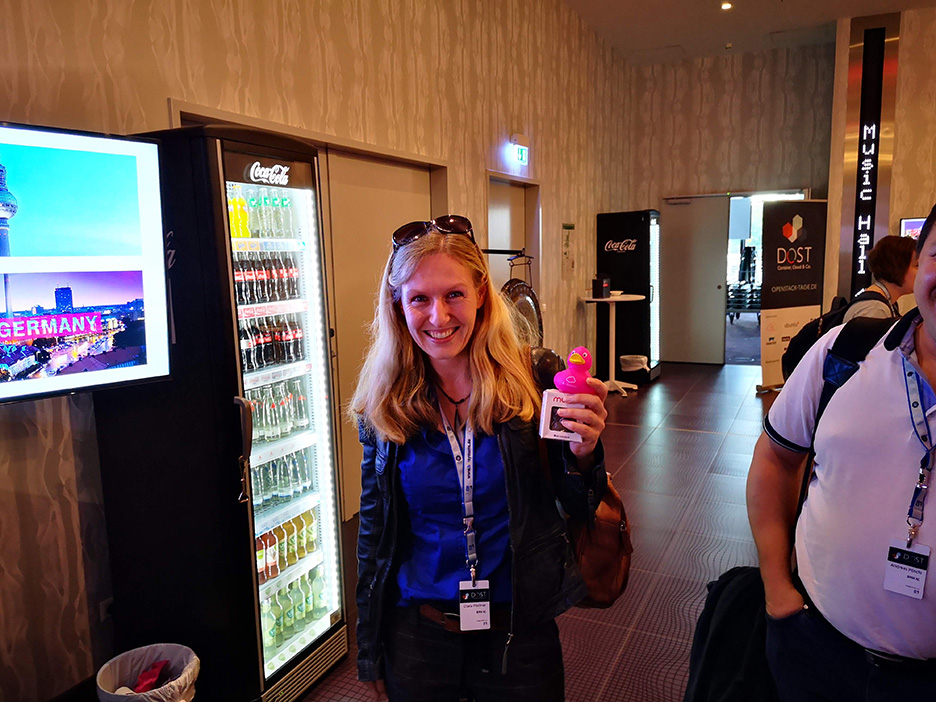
[
  {"x": 629, "y": 254},
  {"x": 220, "y": 483}
]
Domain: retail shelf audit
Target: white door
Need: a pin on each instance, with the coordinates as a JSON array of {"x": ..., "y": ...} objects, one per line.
[
  {"x": 693, "y": 250},
  {"x": 369, "y": 198}
]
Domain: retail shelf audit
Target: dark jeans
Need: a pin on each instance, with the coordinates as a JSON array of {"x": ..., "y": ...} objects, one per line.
[
  {"x": 811, "y": 661},
  {"x": 426, "y": 663}
]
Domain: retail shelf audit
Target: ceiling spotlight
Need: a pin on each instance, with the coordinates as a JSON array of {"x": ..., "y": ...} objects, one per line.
[{"x": 726, "y": 6}]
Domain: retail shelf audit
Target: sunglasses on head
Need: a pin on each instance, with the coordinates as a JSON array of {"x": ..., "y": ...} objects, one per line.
[{"x": 449, "y": 224}]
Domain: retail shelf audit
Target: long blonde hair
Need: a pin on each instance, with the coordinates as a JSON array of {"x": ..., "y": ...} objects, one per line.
[{"x": 394, "y": 391}]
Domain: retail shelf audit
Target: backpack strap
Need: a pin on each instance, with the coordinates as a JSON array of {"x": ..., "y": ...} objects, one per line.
[
  {"x": 851, "y": 347},
  {"x": 873, "y": 295}
]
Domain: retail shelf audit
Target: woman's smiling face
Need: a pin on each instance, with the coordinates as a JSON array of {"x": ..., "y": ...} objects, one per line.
[{"x": 440, "y": 303}]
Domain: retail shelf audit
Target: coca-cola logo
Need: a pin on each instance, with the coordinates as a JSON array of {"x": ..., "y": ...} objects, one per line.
[
  {"x": 272, "y": 175},
  {"x": 621, "y": 246}
]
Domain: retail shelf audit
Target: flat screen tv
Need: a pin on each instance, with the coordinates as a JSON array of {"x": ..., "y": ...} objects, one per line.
[
  {"x": 911, "y": 226},
  {"x": 82, "y": 268}
]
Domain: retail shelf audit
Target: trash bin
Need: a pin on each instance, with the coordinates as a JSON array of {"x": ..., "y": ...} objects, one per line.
[
  {"x": 633, "y": 363},
  {"x": 123, "y": 671}
]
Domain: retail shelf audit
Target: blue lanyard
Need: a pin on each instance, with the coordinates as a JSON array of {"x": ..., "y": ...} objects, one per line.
[
  {"x": 921, "y": 428},
  {"x": 464, "y": 465}
]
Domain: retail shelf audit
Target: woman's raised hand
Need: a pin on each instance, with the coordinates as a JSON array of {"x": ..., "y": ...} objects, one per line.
[{"x": 589, "y": 421}]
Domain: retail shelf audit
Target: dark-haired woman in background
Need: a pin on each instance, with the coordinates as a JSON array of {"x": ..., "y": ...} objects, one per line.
[
  {"x": 893, "y": 263},
  {"x": 458, "y": 502}
]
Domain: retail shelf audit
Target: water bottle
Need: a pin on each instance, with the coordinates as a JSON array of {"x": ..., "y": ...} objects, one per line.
[
  {"x": 270, "y": 493},
  {"x": 285, "y": 410},
  {"x": 266, "y": 213},
  {"x": 256, "y": 420},
  {"x": 300, "y": 405},
  {"x": 286, "y": 214},
  {"x": 305, "y": 470},
  {"x": 271, "y": 420},
  {"x": 283, "y": 485},
  {"x": 256, "y": 489},
  {"x": 295, "y": 477},
  {"x": 253, "y": 210}
]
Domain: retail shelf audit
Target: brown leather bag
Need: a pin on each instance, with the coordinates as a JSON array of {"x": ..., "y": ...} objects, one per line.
[{"x": 603, "y": 552}]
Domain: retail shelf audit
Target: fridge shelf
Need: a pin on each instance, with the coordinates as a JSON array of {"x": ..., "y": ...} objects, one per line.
[
  {"x": 269, "y": 309},
  {"x": 291, "y": 573},
  {"x": 241, "y": 244},
  {"x": 266, "y": 376},
  {"x": 265, "y": 521},
  {"x": 292, "y": 646},
  {"x": 282, "y": 447}
]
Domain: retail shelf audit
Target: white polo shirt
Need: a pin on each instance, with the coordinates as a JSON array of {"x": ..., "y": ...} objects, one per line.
[{"x": 867, "y": 463}]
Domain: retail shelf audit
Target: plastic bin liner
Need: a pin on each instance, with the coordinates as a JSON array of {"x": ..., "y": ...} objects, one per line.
[
  {"x": 633, "y": 363},
  {"x": 123, "y": 671}
]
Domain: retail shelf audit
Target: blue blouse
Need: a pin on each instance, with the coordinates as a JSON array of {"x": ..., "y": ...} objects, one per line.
[{"x": 432, "y": 553}]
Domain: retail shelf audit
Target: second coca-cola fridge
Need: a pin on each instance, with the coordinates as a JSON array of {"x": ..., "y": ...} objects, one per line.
[{"x": 220, "y": 484}]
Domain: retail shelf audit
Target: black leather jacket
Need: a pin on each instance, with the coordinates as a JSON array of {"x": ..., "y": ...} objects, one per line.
[{"x": 545, "y": 577}]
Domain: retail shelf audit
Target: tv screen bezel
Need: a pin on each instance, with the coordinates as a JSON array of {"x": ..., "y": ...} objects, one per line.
[{"x": 109, "y": 384}]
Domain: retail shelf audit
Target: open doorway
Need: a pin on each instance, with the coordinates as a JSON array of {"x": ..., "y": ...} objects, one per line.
[{"x": 744, "y": 275}]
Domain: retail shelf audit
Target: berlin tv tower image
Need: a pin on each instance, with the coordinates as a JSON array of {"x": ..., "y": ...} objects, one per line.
[{"x": 8, "y": 208}]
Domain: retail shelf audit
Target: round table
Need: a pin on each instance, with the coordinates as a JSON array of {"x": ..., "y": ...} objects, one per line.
[{"x": 611, "y": 383}]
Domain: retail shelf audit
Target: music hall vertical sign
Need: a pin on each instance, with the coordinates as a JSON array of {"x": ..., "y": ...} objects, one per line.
[{"x": 869, "y": 143}]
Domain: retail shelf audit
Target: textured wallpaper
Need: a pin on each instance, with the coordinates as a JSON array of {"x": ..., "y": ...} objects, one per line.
[
  {"x": 913, "y": 179},
  {"x": 757, "y": 121}
]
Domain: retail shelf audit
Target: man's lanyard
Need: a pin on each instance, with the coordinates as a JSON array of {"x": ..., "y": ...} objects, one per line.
[
  {"x": 921, "y": 428},
  {"x": 464, "y": 465}
]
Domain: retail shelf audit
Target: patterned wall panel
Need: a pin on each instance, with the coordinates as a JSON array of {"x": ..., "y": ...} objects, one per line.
[
  {"x": 450, "y": 80},
  {"x": 913, "y": 179},
  {"x": 757, "y": 121},
  {"x": 53, "y": 554}
]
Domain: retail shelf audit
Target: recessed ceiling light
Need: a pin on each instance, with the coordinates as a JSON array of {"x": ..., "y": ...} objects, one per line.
[{"x": 726, "y": 6}]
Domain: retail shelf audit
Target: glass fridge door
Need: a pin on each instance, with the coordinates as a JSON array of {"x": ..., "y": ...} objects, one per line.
[
  {"x": 654, "y": 290},
  {"x": 279, "y": 291}
]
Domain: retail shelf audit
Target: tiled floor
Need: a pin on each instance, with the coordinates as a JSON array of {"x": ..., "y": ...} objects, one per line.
[{"x": 678, "y": 451}]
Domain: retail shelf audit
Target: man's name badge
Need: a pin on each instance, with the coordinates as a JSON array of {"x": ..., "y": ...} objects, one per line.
[
  {"x": 474, "y": 605},
  {"x": 906, "y": 569}
]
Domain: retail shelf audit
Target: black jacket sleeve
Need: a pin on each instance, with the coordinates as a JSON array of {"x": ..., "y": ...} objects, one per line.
[{"x": 369, "y": 530}]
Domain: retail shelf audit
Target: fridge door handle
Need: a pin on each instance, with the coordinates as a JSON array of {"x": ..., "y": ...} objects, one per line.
[
  {"x": 246, "y": 420},
  {"x": 651, "y": 294}
]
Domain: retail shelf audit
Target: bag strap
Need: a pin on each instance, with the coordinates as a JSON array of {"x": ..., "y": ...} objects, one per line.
[
  {"x": 874, "y": 295},
  {"x": 851, "y": 347}
]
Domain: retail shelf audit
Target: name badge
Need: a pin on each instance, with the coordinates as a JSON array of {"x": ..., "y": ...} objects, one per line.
[
  {"x": 906, "y": 569},
  {"x": 474, "y": 605}
]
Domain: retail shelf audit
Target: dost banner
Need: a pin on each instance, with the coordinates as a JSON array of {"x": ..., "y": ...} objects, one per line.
[{"x": 793, "y": 264}]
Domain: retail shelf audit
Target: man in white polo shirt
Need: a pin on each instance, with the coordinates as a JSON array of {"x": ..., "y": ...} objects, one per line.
[{"x": 859, "y": 622}]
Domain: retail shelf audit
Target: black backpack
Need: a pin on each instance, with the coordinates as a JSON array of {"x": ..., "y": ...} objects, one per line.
[{"x": 810, "y": 332}]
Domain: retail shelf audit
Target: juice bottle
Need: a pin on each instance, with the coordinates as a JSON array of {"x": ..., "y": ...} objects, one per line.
[
  {"x": 309, "y": 519},
  {"x": 300, "y": 537},
  {"x": 272, "y": 554},
  {"x": 319, "y": 607},
  {"x": 277, "y": 611},
  {"x": 283, "y": 547},
  {"x": 268, "y": 628},
  {"x": 260, "y": 548},
  {"x": 291, "y": 543},
  {"x": 289, "y": 613},
  {"x": 306, "y": 589},
  {"x": 298, "y": 600}
]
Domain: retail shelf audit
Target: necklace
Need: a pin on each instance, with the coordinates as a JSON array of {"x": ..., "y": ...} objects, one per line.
[{"x": 456, "y": 403}]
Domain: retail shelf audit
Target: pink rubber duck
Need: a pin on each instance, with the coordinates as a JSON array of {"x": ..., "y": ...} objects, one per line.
[{"x": 572, "y": 379}]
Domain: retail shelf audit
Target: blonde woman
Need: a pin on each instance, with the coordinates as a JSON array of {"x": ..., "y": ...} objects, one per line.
[{"x": 463, "y": 558}]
